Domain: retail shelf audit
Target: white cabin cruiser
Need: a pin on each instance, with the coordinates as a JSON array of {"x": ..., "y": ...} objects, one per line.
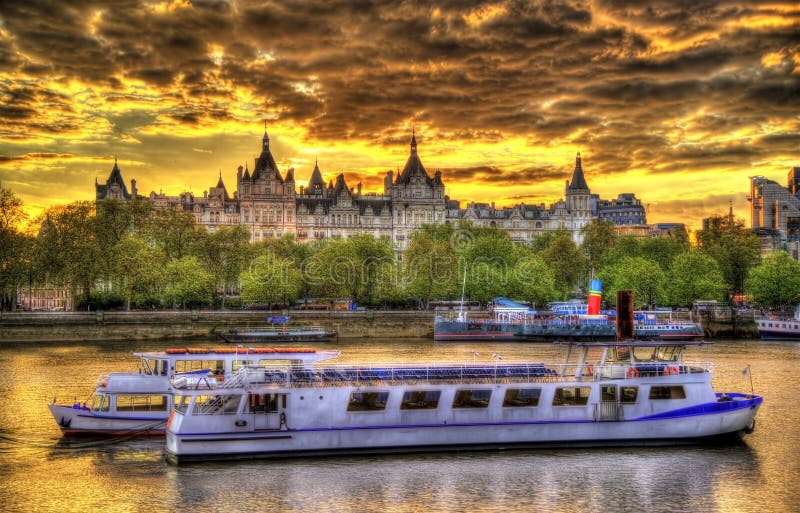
[
  {"x": 138, "y": 403},
  {"x": 602, "y": 394}
]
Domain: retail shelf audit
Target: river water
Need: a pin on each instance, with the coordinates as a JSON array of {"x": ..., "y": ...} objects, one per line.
[{"x": 38, "y": 473}]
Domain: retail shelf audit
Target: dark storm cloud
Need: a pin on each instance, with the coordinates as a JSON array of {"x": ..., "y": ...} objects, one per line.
[
  {"x": 589, "y": 74},
  {"x": 494, "y": 175}
]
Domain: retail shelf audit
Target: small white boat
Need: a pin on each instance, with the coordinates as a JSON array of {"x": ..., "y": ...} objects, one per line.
[
  {"x": 601, "y": 394},
  {"x": 138, "y": 403},
  {"x": 772, "y": 327}
]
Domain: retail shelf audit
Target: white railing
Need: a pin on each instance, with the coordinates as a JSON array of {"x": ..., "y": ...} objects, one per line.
[{"x": 467, "y": 373}]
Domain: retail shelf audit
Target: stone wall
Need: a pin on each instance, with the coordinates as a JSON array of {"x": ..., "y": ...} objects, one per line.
[{"x": 143, "y": 325}]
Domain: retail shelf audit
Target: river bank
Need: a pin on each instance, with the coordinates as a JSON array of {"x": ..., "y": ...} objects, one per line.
[
  {"x": 191, "y": 324},
  {"x": 197, "y": 324}
]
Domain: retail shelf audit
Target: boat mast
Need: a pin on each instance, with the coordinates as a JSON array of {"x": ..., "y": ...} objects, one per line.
[{"x": 463, "y": 289}]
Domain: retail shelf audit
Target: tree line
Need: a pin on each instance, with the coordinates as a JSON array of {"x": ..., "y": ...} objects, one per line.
[{"x": 112, "y": 254}]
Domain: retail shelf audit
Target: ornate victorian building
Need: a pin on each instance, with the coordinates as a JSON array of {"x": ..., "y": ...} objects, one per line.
[{"x": 270, "y": 205}]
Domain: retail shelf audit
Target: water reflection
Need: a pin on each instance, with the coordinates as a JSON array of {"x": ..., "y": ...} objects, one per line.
[{"x": 663, "y": 479}]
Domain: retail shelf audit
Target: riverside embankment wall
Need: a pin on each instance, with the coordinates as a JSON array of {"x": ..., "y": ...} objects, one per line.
[{"x": 143, "y": 325}]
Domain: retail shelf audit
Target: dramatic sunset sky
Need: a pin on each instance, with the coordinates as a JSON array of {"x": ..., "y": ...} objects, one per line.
[{"x": 676, "y": 101}]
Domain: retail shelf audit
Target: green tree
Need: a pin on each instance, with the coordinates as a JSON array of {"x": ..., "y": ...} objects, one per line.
[
  {"x": 16, "y": 249},
  {"x": 532, "y": 280},
  {"x": 430, "y": 267},
  {"x": 641, "y": 276},
  {"x": 735, "y": 248},
  {"x": 330, "y": 271},
  {"x": 137, "y": 271},
  {"x": 694, "y": 275},
  {"x": 174, "y": 231},
  {"x": 12, "y": 213},
  {"x": 370, "y": 256},
  {"x": 776, "y": 281},
  {"x": 567, "y": 261},
  {"x": 67, "y": 247},
  {"x": 599, "y": 237},
  {"x": 187, "y": 283},
  {"x": 271, "y": 280},
  {"x": 225, "y": 254}
]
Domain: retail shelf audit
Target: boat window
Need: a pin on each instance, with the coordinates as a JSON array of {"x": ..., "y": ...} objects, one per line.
[
  {"x": 608, "y": 393},
  {"x": 643, "y": 353},
  {"x": 141, "y": 403},
  {"x": 420, "y": 400},
  {"x": 619, "y": 354},
  {"x": 522, "y": 397},
  {"x": 236, "y": 364},
  {"x": 195, "y": 365},
  {"x": 668, "y": 353},
  {"x": 367, "y": 401},
  {"x": 215, "y": 404},
  {"x": 262, "y": 403},
  {"x": 474, "y": 327},
  {"x": 472, "y": 399},
  {"x": 101, "y": 403},
  {"x": 181, "y": 402},
  {"x": 571, "y": 396},
  {"x": 671, "y": 392},
  {"x": 628, "y": 394}
]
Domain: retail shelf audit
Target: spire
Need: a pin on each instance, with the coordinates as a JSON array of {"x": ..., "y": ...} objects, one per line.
[
  {"x": 265, "y": 167},
  {"x": 413, "y": 165},
  {"x": 578, "y": 182}
]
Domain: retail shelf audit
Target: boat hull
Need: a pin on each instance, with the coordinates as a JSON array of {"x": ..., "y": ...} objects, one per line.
[
  {"x": 78, "y": 421},
  {"x": 723, "y": 426},
  {"x": 271, "y": 337},
  {"x": 466, "y": 331}
]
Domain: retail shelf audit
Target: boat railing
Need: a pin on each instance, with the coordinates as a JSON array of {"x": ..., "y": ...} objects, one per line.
[
  {"x": 274, "y": 329},
  {"x": 377, "y": 374}
]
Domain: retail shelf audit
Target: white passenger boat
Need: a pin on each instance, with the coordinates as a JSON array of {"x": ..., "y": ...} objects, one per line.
[
  {"x": 602, "y": 394},
  {"x": 138, "y": 403},
  {"x": 773, "y": 327}
]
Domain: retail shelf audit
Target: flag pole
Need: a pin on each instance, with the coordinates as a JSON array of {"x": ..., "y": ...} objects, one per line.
[{"x": 750, "y": 374}]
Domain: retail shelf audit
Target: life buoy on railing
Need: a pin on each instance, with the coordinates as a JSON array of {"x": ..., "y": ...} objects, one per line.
[
  {"x": 633, "y": 372},
  {"x": 671, "y": 371},
  {"x": 589, "y": 370}
]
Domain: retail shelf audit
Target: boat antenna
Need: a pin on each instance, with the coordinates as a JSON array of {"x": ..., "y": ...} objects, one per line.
[{"x": 463, "y": 289}]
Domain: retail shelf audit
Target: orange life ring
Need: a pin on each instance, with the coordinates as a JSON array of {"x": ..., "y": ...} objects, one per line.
[
  {"x": 671, "y": 371},
  {"x": 633, "y": 372},
  {"x": 590, "y": 370}
]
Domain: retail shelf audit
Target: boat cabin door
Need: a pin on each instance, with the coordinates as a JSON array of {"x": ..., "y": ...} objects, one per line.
[
  {"x": 609, "y": 408},
  {"x": 267, "y": 410}
]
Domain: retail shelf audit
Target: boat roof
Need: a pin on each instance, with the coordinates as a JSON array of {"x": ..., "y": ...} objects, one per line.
[
  {"x": 305, "y": 354},
  {"x": 635, "y": 343},
  {"x": 507, "y": 304}
]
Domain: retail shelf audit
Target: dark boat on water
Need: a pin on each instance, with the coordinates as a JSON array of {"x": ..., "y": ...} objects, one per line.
[
  {"x": 278, "y": 331},
  {"x": 567, "y": 320}
]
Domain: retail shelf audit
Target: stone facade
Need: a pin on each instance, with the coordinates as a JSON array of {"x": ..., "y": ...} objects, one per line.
[{"x": 270, "y": 205}]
